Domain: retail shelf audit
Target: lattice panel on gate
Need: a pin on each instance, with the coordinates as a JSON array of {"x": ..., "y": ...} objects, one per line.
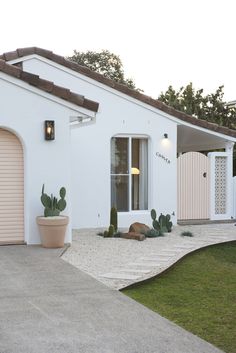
[{"x": 220, "y": 185}]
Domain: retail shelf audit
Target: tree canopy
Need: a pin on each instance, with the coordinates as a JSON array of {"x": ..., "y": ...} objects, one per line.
[
  {"x": 105, "y": 63},
  {"x": 210, "y": 107}
]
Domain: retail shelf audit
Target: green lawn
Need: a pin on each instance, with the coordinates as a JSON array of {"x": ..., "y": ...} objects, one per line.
[{"x": 198, "y": 294}]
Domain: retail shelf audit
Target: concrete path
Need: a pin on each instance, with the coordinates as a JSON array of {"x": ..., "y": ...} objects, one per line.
[
  {"x": 49, "y": 306},
  {"x": 119, "y": 263}
]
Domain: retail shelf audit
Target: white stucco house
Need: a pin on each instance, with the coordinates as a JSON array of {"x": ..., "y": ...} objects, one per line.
[{"x": 112, "y": 146}]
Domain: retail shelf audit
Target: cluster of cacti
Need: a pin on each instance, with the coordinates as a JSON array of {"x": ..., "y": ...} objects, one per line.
[
  {"x": 112, "y": 230},
  {"x": 52, "y": 205},
  {"x": 163, "y": 224}
]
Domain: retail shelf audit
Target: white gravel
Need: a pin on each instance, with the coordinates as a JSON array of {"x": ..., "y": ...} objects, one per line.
[{"x": 138, "y": 260}]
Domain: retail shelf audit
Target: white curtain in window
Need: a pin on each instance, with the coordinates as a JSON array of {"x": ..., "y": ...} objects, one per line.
[{"x": 143, "y": 176}]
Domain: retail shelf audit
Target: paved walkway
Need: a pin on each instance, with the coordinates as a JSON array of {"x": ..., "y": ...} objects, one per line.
[
  {"x": 119, "y": 263},
  {"x": 49, "y": 306}
]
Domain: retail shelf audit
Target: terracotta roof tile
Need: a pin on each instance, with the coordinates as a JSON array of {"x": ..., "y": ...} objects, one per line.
[
  {"x": 47, "y": 86},
  {"x": 117, "y": 86}
]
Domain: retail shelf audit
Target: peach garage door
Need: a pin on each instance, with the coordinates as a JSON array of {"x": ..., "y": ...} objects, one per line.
[
  {"x": 193, "y": 186},
  {"x": 11, "y": 189}
]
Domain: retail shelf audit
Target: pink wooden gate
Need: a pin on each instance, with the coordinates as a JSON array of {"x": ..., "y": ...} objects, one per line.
[{"x": 193, "y": 173}]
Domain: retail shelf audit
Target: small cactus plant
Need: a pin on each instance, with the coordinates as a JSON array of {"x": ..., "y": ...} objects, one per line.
[
  {"x": 52, "y": 205},
  {"x": 169, "y": 224},
  {"x": 163, "y": 224},
  {"x": 106, "y": 234},
  {"x": 153, "y": 214},
  {"x": 113, "y": 218},
  {"x": 157, "y": 229},
  {"x": 111, "y": 230}
]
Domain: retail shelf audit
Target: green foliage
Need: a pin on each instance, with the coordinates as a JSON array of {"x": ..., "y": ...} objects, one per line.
[
  {"x": 117, "y": 234},
  {"x": 106, "y": 234},
  {"x": 156, "y": 225},
  {"x": 53, "y": 207},
  {"x": 187, "y": 234},
  {"x": 153, "y": 233},
  {"x": 110, "y": 233},
  {"x": 105, "y": 63},
  {"x": 162, "y": 222},
  {"x": 210, "y": 107},
  {"x": 169, "y": 224},
  {"x": 163, "y": 225},
  {"x": 198, "y": 294},
  {"x": 153, "y": 214},
  {"x": 113, "y": 218}
]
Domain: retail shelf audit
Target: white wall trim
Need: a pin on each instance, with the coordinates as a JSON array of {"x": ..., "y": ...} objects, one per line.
[{"x": 51, "y": 97}]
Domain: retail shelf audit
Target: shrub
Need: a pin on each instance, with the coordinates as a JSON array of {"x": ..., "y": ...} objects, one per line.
[{"x": 187, "y": 234}]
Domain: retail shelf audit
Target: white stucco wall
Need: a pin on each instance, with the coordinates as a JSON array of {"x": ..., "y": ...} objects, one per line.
[
  {"x": 90, "y": 153},
  {"x": 234, "y": 195},
  {"x": 24, "y": 112}
]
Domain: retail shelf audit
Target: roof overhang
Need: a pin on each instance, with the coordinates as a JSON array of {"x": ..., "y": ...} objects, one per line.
[
  {"x": 150, "y": 103},
  {"x": 191, "y": 139}
]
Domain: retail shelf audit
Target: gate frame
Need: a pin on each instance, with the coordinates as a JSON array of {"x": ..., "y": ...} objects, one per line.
[{"x": 229, "y": 186}]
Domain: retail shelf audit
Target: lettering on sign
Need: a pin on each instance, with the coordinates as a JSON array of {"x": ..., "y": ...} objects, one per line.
[{"x": 158, "y": 154}]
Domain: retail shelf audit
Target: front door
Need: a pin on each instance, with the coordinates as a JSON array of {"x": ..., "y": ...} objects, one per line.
[{"x": 193, "y": 173}]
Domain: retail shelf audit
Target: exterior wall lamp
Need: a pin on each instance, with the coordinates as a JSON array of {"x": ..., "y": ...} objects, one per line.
[
  {"x": 49, "y": 130},
  {"x": 166, "y": 136}
]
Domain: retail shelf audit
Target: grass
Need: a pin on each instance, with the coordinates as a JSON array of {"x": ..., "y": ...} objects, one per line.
[{"x": 199, "y": 294}]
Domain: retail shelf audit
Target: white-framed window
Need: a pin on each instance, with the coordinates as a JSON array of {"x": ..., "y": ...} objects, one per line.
[{"x": 129, "y": 173}]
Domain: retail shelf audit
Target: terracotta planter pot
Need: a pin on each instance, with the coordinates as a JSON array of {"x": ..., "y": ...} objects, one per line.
[{"x": 52, "y": 230}]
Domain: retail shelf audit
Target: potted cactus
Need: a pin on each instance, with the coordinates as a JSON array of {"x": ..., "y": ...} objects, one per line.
[{"x": 52, "y": 226}]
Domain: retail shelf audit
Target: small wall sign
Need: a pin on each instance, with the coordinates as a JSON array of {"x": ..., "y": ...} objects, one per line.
[{"x": 158, "y": 154}]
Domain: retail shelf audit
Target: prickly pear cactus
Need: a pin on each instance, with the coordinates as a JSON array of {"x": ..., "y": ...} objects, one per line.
[
  {"x": 162, "y": 221},
  {"x": 156, "y": 225},
  {"x": 169, "y": 224},
  {"x": 153, "y": 214},
  {"x": 162, "y": 225},
  {"x": 53, "y": 207}
]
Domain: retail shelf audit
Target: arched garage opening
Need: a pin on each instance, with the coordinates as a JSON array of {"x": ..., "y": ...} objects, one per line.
[{"x": 11, "y": 189}]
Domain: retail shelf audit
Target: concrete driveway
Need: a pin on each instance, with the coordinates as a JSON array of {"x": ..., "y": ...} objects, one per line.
[{"x": 49, "y": 306}]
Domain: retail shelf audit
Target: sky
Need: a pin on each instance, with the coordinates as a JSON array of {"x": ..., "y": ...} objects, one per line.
[{"x": 160, "y": 42}]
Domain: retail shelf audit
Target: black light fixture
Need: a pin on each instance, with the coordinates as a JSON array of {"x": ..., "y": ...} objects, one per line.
[
  {"x": 166, "y": 136},
  {"x": 49, "y": 130}
]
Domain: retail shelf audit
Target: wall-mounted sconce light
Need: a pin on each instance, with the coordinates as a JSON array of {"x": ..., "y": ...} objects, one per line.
[
  {"x": 166, "y": 136},
  {"x": 49, "y": 130}
]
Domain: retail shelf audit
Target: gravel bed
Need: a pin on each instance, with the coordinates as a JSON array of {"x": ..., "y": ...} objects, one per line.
[{"x": 97, "y": 256}]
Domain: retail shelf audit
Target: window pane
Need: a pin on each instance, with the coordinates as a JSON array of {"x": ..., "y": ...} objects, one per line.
[
  {"x": 119, "y": 155},
  {"x": 120, "y": 192},
  {"x": 139, "y": 170}
]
